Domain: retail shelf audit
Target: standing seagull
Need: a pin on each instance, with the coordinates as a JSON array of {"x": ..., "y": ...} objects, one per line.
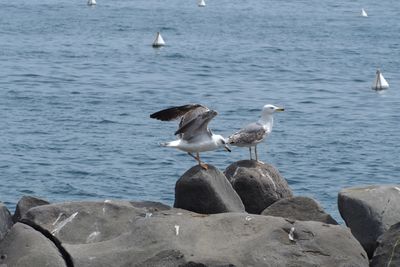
[
  {"x": 194, "y": 134},
  {"x": 255, "y": 132}
]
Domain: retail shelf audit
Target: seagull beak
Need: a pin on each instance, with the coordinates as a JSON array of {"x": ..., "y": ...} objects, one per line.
[
  {"x": 227, "y": 148},
  {"x": 280, "y": 109}
]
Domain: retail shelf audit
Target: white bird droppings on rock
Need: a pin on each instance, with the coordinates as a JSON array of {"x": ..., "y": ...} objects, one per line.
[
  {"x": 176, "y": 229},
  {"x": 58, "y": 218},
  {"x": 92, "y": 237},
  {"x": 291, "y": 234},
  {"x": 63, "y": 223}
]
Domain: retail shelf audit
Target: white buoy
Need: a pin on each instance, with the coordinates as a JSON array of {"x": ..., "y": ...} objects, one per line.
[
  {"x": 159, "y": 41},
  {"x": 380, "y": 83},
  {"x": 201, "y": 3},
  {"x": 363, "y": 13}
]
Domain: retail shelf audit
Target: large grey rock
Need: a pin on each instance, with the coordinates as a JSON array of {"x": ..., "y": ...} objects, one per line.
[
  {"x": 299, "y": 208},
  {"x": 25, "y": 247},
  {"x": 206, "y": 191},
  {"x": 24, "y": 204},
  {"x": 388, "y": 251},
  {"x": 118, "y": 234},
  {"x": 370, "y": 211},
  {"x": 150, "y": 206},
  {"x": 5, "y": 221},
  {"x": 87, "y": 218},
  {"x": 258, "y": 184}
]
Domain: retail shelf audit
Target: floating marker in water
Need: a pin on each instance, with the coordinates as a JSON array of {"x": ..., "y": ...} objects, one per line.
[
  {"x": 159, "y": 41},
  {"x": 201, "y": 3},
  {"x": 380, "y": 83},
  {"x": 91, "y": 2},
  {"x": 363, "y": 13}
]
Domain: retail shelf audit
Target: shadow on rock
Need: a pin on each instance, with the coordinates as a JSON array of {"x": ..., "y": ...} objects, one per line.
[
  {"x": 258, "y": 184},
  {"x": 206, "y": 191}
]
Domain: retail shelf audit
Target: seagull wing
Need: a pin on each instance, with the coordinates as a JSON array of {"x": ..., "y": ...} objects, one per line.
[
  {"x": 197, "y": 128},
  {"x": 191, "y": 118},
  {"x": 250, "y": 134},
  {"x": 173, "y": 113}
]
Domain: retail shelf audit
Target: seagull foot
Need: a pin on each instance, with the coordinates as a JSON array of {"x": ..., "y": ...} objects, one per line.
[{"x": 204, "y": 166}]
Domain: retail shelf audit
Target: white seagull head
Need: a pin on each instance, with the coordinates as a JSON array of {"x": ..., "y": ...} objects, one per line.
[
  {"x": 221, "y": 141},
  {"x": 269, "y": 109}
]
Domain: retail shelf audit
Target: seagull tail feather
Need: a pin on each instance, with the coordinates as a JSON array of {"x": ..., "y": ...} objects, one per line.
[
  {"x": 165, "y": 143},
  {"x": 174, "y": 143}
]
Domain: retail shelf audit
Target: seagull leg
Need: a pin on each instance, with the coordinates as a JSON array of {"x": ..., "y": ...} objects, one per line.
[
  {"x": 193, "y": 156},
  {"x": 250, "y": 153},
  {"x": 259, "y": 161},
  {"x": 197, "y": 158},
  {"x": 203, "y": 165}
]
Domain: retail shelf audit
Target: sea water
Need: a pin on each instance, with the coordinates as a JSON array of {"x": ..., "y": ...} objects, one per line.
[{"x": 78, "y": 83}]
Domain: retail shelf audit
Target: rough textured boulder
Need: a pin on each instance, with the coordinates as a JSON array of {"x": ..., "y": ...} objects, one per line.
[
  {"x": 24, "y": 204},
  {"x": 370, "y": 211},
  {"x": 25, "y": 247},
  {"x": 118, "y": 234},
  {"x": 5, "y": 221},
  {"x": 206, "y": 191},
  {"x": 388, "y": 251},
  {"x": 299, "y": 208},
  {"x": 150, "y": 205},
  {"x": 258, "y": 184}
]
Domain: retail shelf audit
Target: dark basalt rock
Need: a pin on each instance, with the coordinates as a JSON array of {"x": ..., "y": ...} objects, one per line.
[
  {"x": 388, "y": 251},
  {"x": 26, "y": 203},
  {"x": 25, "y": 247},
  {"x": 5, "y": 221},
  {"x": 370, "y": 211},
  {"x": 116, "y": 233},
  {"x": 150, "y": 205},
  {"x": 206, "y": 191},
  {"x": 258, "y": 184},
  {"x": 299, "y": 208}
]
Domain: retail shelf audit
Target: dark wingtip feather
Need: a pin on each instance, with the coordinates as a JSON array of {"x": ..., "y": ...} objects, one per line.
[{"x": 173, "y": 112}]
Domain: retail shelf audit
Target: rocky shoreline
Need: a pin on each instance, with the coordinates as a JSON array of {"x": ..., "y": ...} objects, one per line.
[{"x": 244, "y": 216}]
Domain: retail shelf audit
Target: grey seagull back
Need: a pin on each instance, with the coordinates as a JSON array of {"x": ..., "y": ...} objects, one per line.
[{"x": 251, "y": 134}]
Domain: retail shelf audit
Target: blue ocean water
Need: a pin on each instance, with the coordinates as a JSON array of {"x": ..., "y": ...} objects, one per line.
[{"x": 77, "y": 85}]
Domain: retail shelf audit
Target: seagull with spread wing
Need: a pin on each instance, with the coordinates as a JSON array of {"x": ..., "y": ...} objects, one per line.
[
  {"x": 193, "y": 132},
  {"x": 255, "y": 132}
]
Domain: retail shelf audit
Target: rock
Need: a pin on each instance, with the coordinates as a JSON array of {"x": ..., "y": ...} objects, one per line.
[
  {"x": 24, "y": 204},
  {"x": 370, "y": 211},
  {"x": 97, "y": 215},
  {"x": 25, "y": 247},
  {"x": 150, "y": 205},
  {"x": 388, "y": 251},
  {"x": 206, "y": 192},
  {"x": 258, "y": 184},
  {"x": 127, "y": 236},
  {"x": 5, "y": 221},
  {"x": 299, "y": 208}
]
